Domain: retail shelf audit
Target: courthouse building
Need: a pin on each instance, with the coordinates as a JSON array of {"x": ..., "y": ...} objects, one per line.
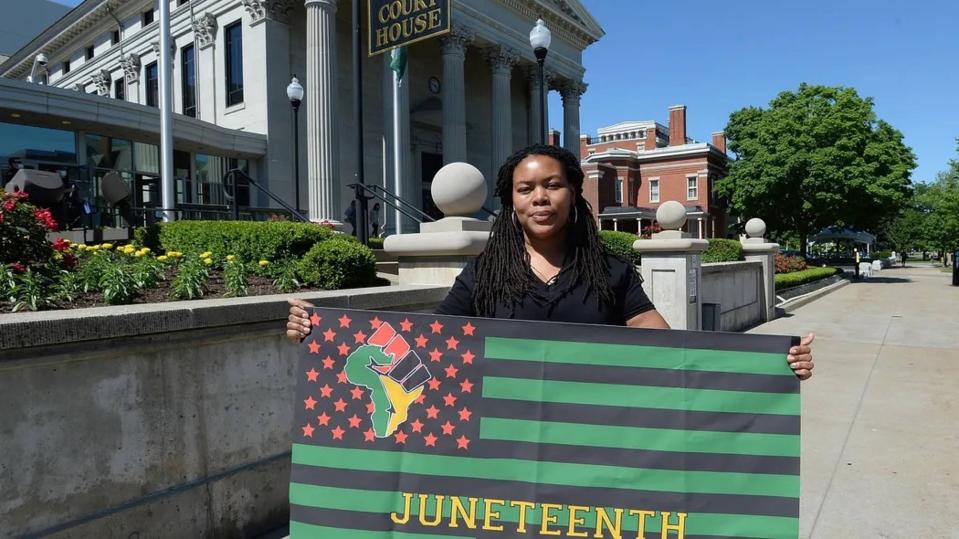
[
  {"x": 471, "y": 95},
  {"x": 633, "y": 167}
]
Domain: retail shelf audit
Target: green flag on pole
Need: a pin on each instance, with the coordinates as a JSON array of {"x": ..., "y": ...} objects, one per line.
[{"x": 398, "y": 62}]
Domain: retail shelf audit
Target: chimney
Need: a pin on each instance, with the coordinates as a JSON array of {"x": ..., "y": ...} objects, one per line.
[
  {"x": 650, "y": 138},
  {"x": 552, "y": 137},
  {"x": 719, "y": 141},
  {"x": 677, "y": 125},
  {"x": 584, "y": 141}
]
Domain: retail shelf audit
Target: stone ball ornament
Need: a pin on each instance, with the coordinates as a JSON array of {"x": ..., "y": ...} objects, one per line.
[
  {"x": 671, "y": 215},
  {"x": 459, "y": 190},
  {"x": 755, "y": 228}
]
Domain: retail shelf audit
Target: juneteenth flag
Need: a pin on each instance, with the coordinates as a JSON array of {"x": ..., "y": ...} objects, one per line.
[{"x": 413, "y": 425}]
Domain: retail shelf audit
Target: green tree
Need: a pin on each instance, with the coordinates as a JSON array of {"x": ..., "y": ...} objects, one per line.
[
  {"x": 939, "y": 204},
  {"x": 816, "y": 157}
]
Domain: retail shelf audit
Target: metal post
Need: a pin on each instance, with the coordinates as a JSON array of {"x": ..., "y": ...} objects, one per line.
[
  {"x": 358, "y": 121},
  {"x": 296, "y": 155},
  {"x": 166, "y": 116},
  {"x": 397, "y": 168},
  {"x": 540, "y": 59}
]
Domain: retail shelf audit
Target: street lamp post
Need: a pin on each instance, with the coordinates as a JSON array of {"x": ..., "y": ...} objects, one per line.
[
  {"x": 539, "y": 39},
  {"x": 295, "y": 92}
]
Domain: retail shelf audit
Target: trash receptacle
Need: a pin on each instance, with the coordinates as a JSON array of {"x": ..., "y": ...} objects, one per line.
[{"x": 955, "y": 268}]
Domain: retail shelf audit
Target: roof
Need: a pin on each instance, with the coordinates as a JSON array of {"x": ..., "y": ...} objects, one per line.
[
  {"x": 23, "y": 19},
  {"x": 658, "y": 153}
]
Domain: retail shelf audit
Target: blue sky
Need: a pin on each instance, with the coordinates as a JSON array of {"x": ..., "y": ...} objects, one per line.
[{"x": 716, "y": 57}]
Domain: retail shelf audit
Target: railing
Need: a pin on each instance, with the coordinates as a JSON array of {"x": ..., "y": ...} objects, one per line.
[
  {"x": 230, "y": 182},
  {"x": 387, "y": 197}
]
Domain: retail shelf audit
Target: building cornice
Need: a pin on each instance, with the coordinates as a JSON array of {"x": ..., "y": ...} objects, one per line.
[
  {"x": 565, "y": 18},
  {"x": 685, "y": 150}
]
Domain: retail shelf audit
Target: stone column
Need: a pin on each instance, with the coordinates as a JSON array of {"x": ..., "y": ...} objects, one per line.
[
  {"x": 454, "y": 94},
  {"x": 501, "y": 61},
  {"x": 671, "y": 268},
  {"x": 322, "y": 136},
  {"x": 756, "y": 248},
  {"x": 205, "y": 29},
  {"x": 571, "y": 92},
  {"x": 535, "y": 128}
]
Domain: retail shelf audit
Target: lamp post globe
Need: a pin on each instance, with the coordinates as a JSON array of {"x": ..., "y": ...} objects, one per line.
[
  {"x": 295, "y": 92},
  {"x": 540, "y": 38}
]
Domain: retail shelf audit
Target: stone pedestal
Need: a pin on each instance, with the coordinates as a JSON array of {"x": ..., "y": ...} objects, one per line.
[
  {"x": 757, "y": 249},
  {"x": 438, "y": 253},
  {"x": 672, "y": 269}
]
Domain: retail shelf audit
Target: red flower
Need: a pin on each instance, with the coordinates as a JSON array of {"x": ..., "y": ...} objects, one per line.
[
  {"x": 69, "y": 261},
  {"x": 19, "y": 195},
  {"x": 45, "y": 218},
  {"x": 10, "y": 204},
  {"x": 60, "y": 245},
  {"x": 18, "y": 267}
]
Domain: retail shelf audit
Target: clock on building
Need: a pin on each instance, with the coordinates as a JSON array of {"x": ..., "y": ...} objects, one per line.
[{"x": 434, "y": 85}]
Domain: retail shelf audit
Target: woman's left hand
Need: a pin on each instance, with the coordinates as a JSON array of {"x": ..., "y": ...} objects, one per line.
[{"x": 800, "y": 358}]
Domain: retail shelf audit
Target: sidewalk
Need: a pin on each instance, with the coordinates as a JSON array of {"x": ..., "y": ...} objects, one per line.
[{"x": 880, "y": 455}]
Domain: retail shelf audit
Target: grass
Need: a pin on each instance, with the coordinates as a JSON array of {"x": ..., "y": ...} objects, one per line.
[{"x": 796, "y": 278}]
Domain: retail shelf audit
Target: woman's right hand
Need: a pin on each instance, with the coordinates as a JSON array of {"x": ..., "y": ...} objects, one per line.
[{"x": 298, "y": 324}]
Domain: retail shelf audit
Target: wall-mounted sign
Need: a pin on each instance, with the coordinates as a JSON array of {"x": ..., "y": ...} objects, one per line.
[{"x": 394, "y": 23}]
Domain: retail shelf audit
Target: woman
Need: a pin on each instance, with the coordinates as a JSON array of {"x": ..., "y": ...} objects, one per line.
[{"x": 545, "y": 261}]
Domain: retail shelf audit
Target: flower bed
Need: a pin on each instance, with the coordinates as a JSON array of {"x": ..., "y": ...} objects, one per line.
[
  {"x": 796, "y": 278},
  {"x": 789, "y": 264}
]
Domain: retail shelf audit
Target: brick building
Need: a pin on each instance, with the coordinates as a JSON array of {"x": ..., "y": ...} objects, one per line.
[{"x": 633, "y": 167}]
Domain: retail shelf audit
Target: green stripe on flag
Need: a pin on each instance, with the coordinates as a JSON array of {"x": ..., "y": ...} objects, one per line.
[
  {"x": 384, "y": 502},
  {"x": 298, "y": 530},
  {"x": 625, "y": 355},
  {"x": 684, "y": 441},
  {"x": 557, "y": 473},
  {"x": 634, "y": 396}
]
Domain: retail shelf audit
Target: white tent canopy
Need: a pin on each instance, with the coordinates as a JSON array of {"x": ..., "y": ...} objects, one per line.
[{"x": 834, "y": 233}]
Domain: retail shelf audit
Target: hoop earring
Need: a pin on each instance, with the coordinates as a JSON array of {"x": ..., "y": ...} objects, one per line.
[
  {"x": 575, "y": 216},
  {"x": 514, "y": 219}
]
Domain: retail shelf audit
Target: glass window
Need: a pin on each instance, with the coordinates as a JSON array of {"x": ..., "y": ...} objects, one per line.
[
  {"x": 654, "y": 190},
  {"x": 36, "y": 144},
  {"x": 121, "y": 151},
  {"x": 692, "y": 187},
  {"x": 66, "y": 67},
  {"x": 188, "y": 85},
  {"x": 619, "y": 190},
  {"x": 152, "y": 85},
  {"x": 234, "y": 63},
  {"x": 115, "y": 37},
  {"x": 146, "y": 158},
  {"x": 209, "y": 179},
  {"x": 147, "y": 17},
  {"x": 119, "y": 89},
  {"x": 89, "y": 52},
  {"x": 107, "y": 152}
]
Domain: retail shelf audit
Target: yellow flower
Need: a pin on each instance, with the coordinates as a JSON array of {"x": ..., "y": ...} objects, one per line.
[
  {"x": 81, "y": 247},
  {"x": 138, "y": 254},
  {"x": 93, "y": 248},
  {"x": 162, "y": 258},
  {"x": 264, "y": 263},
  {"x": 230, "y": 258},
  {"x": 107, "y": 246},
  {"x": 174, "y": 254},
  {"x": 129, "y": 249},
  {"x": 146, "y": 250},
  {"x": 206, "y": 254},
  {"x": 207, "y": 261}
]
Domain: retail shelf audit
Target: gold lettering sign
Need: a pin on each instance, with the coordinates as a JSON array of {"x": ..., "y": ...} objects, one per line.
[{"x": 395, "y": 23}]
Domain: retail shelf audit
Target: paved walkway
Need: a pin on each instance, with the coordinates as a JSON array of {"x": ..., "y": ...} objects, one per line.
[{"x": 880, "y": 452}]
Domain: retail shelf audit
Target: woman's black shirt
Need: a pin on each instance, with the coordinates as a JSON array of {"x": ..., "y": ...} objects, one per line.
[{"x": 556, "y": 302}]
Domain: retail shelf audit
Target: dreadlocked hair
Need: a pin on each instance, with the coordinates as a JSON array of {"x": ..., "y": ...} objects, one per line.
[{"x": 503, "y": 275}]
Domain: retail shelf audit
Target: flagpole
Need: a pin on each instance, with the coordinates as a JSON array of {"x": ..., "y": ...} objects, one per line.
[
  {"x": 397, "y": 179},
  {"x": 166, "y": 116}
]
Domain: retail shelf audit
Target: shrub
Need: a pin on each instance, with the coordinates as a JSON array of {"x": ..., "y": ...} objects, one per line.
[
  {"x": 285, "y": 277},
  {"x": 118, "y": 284},
  {"x": 31, "y": 291},
  {"x": 338, "y": 263},
  {"x": 789, "y": 264},
  {"x": 721, "y": 250},
  {"x": 376, "y": 243},
  {"x": 796, "y": 278},
  {"x": 191, "y": 279},
  {"x": 620, "y": 244},
  {"x": 148, "y": 236},
  {"x": 248, "y": 240},
  {"x": 877, "y": 255},
  {"x": 234, "y": 278},
  {"x": 23, "y": 232}
]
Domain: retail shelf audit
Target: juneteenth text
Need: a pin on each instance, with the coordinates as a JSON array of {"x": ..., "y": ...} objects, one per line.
[{"x": 464, "y": 512}]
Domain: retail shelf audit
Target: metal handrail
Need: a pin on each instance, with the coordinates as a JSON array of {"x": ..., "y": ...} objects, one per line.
[
  {"x": 232, "y": 174},
  {"x": 372, "y": 190}
]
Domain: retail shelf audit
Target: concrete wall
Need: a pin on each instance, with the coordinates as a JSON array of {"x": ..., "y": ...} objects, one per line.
[
  {"x": 154, "y": 420},
  {"x": 737, "y": 288}
]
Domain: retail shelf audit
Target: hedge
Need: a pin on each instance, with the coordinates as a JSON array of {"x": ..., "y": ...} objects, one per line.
[
  {"x": 247, "y": 240},
  {"x": 796, "y": 278},
  {"x": 620, "y": 244},
  {"x": 721, "y": 250},
  {"x": 340, "y": 262}
]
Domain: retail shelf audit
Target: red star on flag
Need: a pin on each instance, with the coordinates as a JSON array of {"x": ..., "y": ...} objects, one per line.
[
  {"x": 451, "y": 371},
  {"x": 452, "y": 343},
  {"x": 315, "y": 319},
  {"x": 343, "y": 349},
  {"x": 357, "y": 393},
  {"x": 375, "y": 322},
  {"x": 436, "y": 355},
  {"x": 468, "y": 329},
  {"x": 341, "y": 377},
  {"x": 310, "y": 402},
  {"x": 323, "y": 419},
  {"x": 370, "y": 407},
  {"x": 328, "y": 363},
  {"x": 406, "y": 325},
  {"x": 462, "y": 442},
  {"x": 449, "y": 400},
  {"x": 436, "y": 327},
  {"x": 337, "y": 433},
  {"x": 417, "y": 425},
  {"x": 340, "y": 405},
  {"x": 466, "y": 386},
  {"x": 432, "y": 412},
  {"x": 465, "y": 414},
  {"x": 326, "y": 391},
  {"x": 420, "y": 399},
  {"x": 329, "y": 335},
  {"x": 468, "y": 358},
  {"x": 448, "y": 428},
  {"x": 354, "y": 421},
  {"x": 369, "y": 435},
  {"x": 345, "y": 321},
  {"x": 421, "y": 341},
  {"x": 434, "y": 384},
  {"x": 314, "y": 347},
  {"x": 311, "y": 375},
  {"x": 400, "y": 437},
  {"x": 430, "y": 440},
  {"x": 359, "y": 337},
  {"x": 308, "y": 430}
]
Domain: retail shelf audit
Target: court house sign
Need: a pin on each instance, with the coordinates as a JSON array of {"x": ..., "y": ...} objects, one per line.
[{"x": 394, "y": 23}]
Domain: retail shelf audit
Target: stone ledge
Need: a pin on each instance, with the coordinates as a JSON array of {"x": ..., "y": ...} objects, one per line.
[
  {"x": 25, "y": 330},
  {"x": 667, "y": 246},
  {"x": 720, "y": 267}
]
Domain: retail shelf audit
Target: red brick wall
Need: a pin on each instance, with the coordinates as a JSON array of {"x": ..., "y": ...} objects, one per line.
[{"x": 677, "y": 125}]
